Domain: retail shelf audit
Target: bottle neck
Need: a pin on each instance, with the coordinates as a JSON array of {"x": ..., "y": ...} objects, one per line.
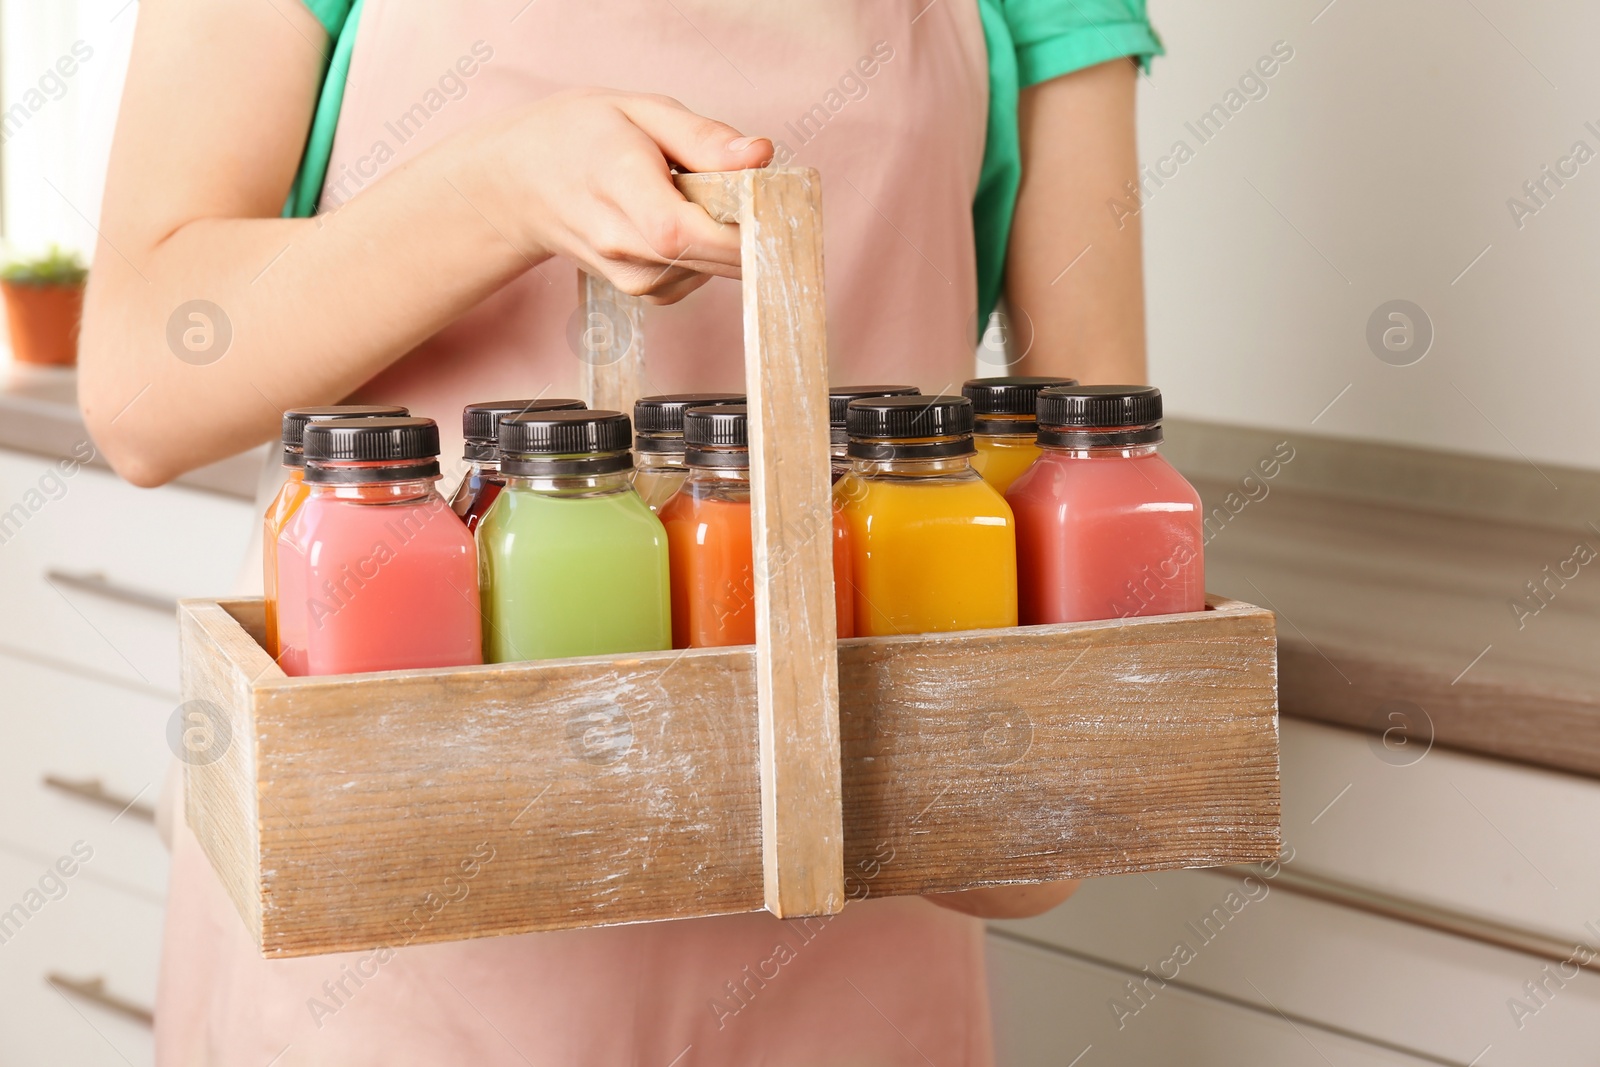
[
  {"x": 942, "y": 467},
  {"x": 395, "y": 492},
  {"x": 1108, "y": 452},
  {"x": 654, "y": 461},
  {"x": 730, "y": 476},
  {"x": 572, "y": 484},
  {"x": 1005, "y": 426}
]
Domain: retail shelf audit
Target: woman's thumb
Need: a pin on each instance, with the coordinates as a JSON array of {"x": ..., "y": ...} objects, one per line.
[{"x": 692, "y": 141}]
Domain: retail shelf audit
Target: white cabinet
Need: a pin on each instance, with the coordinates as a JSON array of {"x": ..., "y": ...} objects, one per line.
[
  {"x": 89, "y": 661},
  {"x": 1238, "y": 966}
]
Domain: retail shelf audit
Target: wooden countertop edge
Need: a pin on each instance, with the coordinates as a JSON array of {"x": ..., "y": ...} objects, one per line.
[
  {"x": 1406, "y": 709},
  {"x": 55, "y": 431}
]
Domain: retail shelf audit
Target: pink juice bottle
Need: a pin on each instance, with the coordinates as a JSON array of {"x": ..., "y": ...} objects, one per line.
[
  {"x": 375, "y": 572},
  {"x": 1106, "y": 528}
]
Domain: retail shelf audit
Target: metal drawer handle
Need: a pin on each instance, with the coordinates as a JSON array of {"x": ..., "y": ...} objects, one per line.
[
  {"x": 97, "y": 584},
  {"x": 96, "y": 793},
  {"x": 94, "y": 991}
]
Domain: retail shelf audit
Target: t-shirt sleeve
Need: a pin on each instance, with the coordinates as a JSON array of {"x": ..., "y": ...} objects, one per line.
[
  {"x": 1056, "y": 37},
  {"x": 331, "y": 13}
]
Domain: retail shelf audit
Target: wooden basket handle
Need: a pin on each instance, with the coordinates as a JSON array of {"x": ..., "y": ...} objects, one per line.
[{"x": 779, "y": 212}]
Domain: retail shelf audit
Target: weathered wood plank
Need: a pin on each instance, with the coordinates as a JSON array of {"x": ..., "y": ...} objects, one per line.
[
  {"x": 415, "y": 806},
  {"x": 610, "y": 345},
  {"x": 221, "y": 659},
  {"x": 791, "y": 515}
]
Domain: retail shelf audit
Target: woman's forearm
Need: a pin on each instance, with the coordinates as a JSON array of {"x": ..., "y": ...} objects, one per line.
[
  {"x": 1074, "y": 268},
  {"x": 315, "y": 307},
  {"x": 207, "y": 144}
]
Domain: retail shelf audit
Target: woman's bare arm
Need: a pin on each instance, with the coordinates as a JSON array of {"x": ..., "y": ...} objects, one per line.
[
  {"x": 1074, "y": 267},
  {"x": 215, "y": 113}
]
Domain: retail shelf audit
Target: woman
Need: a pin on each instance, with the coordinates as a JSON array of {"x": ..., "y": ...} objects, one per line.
[{"x": 459, "y": 169}]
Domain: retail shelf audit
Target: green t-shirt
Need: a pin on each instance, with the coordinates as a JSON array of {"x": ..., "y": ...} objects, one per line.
[{"x": 1029, "y": 41}]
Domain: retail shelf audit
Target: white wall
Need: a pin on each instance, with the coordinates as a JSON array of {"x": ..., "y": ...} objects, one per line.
[
  {"x": 62, "y": 135},
  {"x": 1378, "y": 166}
]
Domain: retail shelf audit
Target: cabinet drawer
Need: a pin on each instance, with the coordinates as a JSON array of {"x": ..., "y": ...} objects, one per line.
[
  {"x": 1499, "y": 840},
  {"x": 77, "y": 732},
  {"x": 1346, "y": 971},
  {"x": 126, "y": 546},
  {"x": 1050, "y": 1011},
  {"x": 79, "y": 931}
]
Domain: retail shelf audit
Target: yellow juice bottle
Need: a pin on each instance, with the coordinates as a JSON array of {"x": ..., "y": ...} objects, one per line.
[
  {"x": 934, "y": 545},
  {"x": 1005, "y": 425}
]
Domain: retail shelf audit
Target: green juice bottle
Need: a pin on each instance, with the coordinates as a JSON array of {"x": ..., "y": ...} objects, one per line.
[{"x": 571, "y": 562}]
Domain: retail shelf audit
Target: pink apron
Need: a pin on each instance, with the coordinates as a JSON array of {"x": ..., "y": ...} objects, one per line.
[{"x": 887, "y": 99}]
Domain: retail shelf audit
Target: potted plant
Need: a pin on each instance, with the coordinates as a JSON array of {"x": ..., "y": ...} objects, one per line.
[{"x": 44, "y": 303}]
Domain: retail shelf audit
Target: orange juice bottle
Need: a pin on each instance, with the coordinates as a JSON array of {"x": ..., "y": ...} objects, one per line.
[
  {"x": 839, "y": 398},
  {"x": 1005, "y": 425},
  {"x": 293, "y": 493},
  {"x": 710, "y": 542},
  {"x": 658, "y": 468},
  {"x": 934, "y": 545}
]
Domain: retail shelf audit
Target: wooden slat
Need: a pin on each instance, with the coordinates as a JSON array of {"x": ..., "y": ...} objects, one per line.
[
  {"x": 413, "y": 806},
  {"x": 791, "y": 515},
  {"x": 721, "y": 195},
  {"x": 221, "y": 660},
  {"x": 611, "y": 345}
]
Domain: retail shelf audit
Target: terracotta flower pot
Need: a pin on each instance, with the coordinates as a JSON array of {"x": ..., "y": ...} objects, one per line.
[{"x": 43, "y": 321}]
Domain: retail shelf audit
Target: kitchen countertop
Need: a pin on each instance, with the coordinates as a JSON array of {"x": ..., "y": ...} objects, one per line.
[
  {"x": 1401, "y": 582},
  {"x": 39, "y": 414}
]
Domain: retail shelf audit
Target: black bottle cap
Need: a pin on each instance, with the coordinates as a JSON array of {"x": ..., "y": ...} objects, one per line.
[
  {"x": 839, "y": 398},
  {"x": 1100, "y": 416},
  {"x": 480, "y": 421},
  {"x": 389, "y": 449},
  {"x": 1016, "y": 395},
  {"x": 910, "y": 427},
  {"x": 296, "y": 419},
  {"x": 558, "y": 443},
  {"x": 717, "y": 437},
  {"x": 664, "y": 415}
]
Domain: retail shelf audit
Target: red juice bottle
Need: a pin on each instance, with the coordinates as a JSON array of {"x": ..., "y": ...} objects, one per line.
[
  {"x": 293, "y": 493},
  {"x": 1106, "y": 528},
  {"x": 710, "y": 541},
  {"x": 839, "y": 398},
  {"x": 480, "y": 428},
  {"x": 375, "y": 572}
]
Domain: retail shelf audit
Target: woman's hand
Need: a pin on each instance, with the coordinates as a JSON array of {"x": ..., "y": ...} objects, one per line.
[
  {"x": 205, "y": 150},
  {"x": 586, "y": 173},
  {"x": 1006, "y": 901}
]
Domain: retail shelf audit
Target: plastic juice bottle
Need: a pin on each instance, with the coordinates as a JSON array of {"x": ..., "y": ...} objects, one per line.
[
  {"x": 571, "y": 561},
  {"x": 374, "y": 572},
  {"x": 1005, "y": 426},
  {"x": 658, "y": 442},
  {"x": 933, "y": 543},
  {"x": 293, "y": 493},
  {"x": 711, "y": 542},
  {"x": 839, "y": 399},
  {"x": 1106, "y": 528},
  {"x": 480, "y": 428}
]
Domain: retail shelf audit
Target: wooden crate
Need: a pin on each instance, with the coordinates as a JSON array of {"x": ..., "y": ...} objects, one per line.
[
  {"x": 402, "y": 807},
  {"x": 347, "y": 811}
]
